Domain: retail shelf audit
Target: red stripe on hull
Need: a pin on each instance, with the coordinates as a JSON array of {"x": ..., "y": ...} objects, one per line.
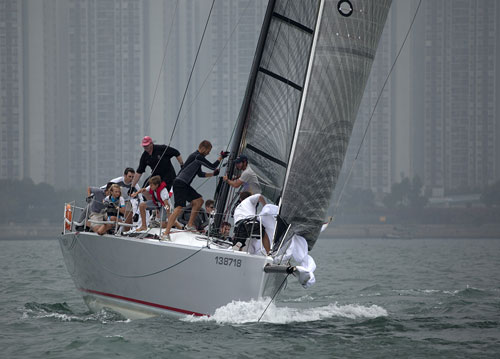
[{"x": 143, "y": 302}]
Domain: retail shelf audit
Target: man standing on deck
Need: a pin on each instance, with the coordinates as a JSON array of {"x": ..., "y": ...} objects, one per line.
[
  {"x": 248, "y": 179},
  {"x": 157, "y": 157},
  {"x": 183, "y": 192}
]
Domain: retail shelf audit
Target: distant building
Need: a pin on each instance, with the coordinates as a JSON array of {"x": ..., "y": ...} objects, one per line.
[
  {"x": 105, "y": 104},
  {"x": 373, "y": 168},
  {"x": 71, "y": 90},
  {"x": 456, "y": 121},
  {"x": 234, "y": 53},
  {"x": 191, "y": 123},
  {"x": 12, "y": 129}
]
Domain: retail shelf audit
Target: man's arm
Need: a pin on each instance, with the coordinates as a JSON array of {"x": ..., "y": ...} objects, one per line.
[
  {"x": 262, "y": 200},
  {"x": 207, "y": 163},
  {"x": 233, "y": 183},
  {"x": 180, "y": 160},
  {"x": 137, "y": 177}
]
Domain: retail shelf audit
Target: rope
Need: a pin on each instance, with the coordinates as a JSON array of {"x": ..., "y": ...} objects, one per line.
[
  {"x": 376, "y": 104},
  {"x": 274, "y": 296},
  {"x": 137, "y": 276}
]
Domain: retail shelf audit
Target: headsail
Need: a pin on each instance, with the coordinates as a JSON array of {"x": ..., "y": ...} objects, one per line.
[
  {"x": 307, "y": 80},
  {"x": 347, "y": 41}
]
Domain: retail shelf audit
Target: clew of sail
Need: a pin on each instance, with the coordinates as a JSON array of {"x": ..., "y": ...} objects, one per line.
[{"x": 347, "y": 40}]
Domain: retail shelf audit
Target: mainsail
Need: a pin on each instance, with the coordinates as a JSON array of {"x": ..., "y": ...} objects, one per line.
[{"x": 307, "y": 80}]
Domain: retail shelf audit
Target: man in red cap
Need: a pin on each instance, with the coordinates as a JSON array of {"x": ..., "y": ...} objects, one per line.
[{"x": 157, "y": 157}]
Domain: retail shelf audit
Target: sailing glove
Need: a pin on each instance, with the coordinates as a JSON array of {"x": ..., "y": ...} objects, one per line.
[
  {"x": 224, "y": 154},
  {"x": 216, "y": 172}
]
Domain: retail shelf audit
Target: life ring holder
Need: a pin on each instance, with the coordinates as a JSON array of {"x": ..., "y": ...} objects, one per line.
[{"x": 68, "y": 217}]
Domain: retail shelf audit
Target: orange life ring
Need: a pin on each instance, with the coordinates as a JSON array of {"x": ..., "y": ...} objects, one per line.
[{"x": 68, "y": 216}]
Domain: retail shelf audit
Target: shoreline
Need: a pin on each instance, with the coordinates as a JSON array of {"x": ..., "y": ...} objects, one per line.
[
  {"x": 410, "y": 231},
  {"x": 46, "y": 231}
]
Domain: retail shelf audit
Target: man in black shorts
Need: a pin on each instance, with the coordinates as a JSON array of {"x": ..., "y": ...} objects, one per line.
[
  {"x": 183, "y": 192},
  {"x": 157, "y": 157}
]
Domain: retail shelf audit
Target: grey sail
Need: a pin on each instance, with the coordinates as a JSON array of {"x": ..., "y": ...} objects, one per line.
[
  {"x": 269, "y": 120},
  {"x": 305, "y": 87},
  {"x": 343, "y": 55}
]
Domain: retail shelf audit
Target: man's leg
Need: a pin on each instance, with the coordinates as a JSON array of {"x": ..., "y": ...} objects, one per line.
[
  {"x": 172, "y": 218},
  {"x": 195, "y": 207},
  {"x": 142, "y": 211},
  {"x": 265, "y": 242},
  {"x": 127, "y": 212}
]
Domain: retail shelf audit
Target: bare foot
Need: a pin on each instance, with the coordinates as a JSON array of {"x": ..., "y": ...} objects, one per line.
[{"x": 140, "y": 229}]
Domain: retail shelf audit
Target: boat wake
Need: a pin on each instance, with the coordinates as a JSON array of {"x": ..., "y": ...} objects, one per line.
[
  {"x": 62, "y": 312},
  {"x": 238, "y": 312}
]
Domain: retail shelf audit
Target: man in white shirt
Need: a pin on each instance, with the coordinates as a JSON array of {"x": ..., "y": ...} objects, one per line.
[
  {"x": 244, "y": 214},
  {"x": 125, "y": 183}
]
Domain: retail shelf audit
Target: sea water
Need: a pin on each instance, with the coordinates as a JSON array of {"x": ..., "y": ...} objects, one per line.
[{"x": 432, "y": 298}]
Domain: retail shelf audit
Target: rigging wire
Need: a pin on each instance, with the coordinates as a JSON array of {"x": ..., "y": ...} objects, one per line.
[
  {"x": 215, "y": 63},
  {"x": 163, "y": 61},
  {"x": 192, "y": 70},
  {"x": 187, "y": 86},
  {"x": 96, "y": 261},
  {"x": 274, "y": 296},
  {"x": 376, "y": 104}
]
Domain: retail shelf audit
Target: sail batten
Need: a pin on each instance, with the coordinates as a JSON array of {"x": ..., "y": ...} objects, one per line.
[
  {"x": 280, "y": 78},
  {"x": 292, "y": 22}
]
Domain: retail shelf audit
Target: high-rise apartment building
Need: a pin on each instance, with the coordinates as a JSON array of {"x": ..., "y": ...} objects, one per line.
[
  {"x": 456, "y": 121},
  {"x": 234, "y": 34},
  {"x": 105, "y": 105},
  {"x": 373, "y": 168},
  {"x": 71, "y": 90},
  {"x": 186, "y": 126},
  {"x": 12, "y": 121}
]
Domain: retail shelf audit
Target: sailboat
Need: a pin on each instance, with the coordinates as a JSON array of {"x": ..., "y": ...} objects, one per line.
[{"x": 310, "y": 68}]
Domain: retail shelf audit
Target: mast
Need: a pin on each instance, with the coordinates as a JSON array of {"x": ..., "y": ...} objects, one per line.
[
  {"x": 277, "y": 234},
  {"x": 223, "y": 187}
]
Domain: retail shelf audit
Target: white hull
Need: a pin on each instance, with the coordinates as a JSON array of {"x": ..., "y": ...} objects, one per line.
[{"x": 144, "y": 277}]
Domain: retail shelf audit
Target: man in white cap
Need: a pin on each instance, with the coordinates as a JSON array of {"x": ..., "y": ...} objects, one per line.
[{"x": 157, "y": 157}]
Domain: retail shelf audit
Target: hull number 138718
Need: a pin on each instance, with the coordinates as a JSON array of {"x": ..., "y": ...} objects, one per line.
[{"x": 226, "y": 261}]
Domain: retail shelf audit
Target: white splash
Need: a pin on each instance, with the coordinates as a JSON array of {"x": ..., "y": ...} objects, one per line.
[
  {"x": 238, "y": 312},
  {"x": 101, "y": 316}
]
